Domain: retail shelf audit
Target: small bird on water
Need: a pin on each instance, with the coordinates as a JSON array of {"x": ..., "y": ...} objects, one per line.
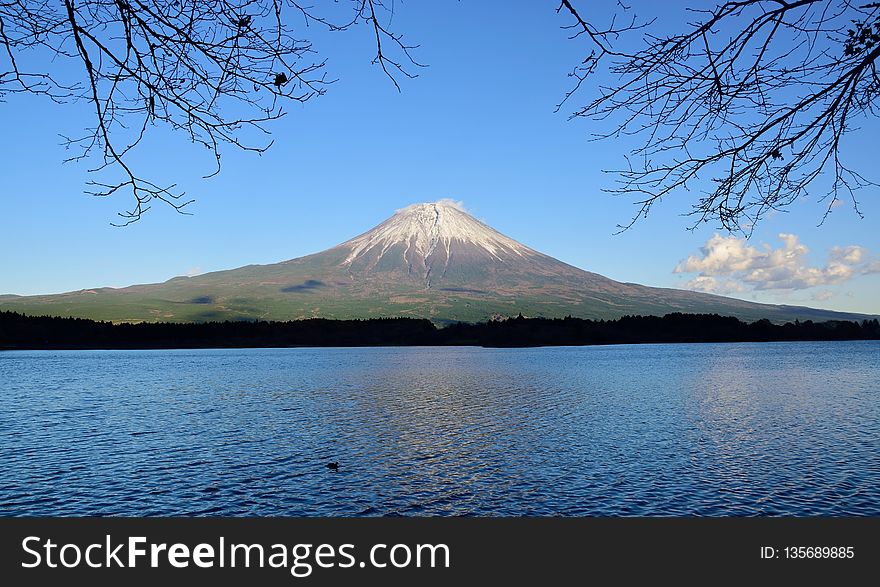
[{"x": 333, "y": 466}]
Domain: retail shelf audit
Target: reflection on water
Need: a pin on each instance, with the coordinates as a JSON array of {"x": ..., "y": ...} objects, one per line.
[{"x": 727, "y": 429}]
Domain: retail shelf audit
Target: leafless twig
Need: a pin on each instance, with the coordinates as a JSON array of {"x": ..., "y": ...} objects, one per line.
[
  {"x": 209, "y": 69},
  {"x": 754, "y": 95}
]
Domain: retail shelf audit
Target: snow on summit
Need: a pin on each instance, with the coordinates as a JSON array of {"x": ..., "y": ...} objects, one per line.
[
  {"x": 429, "y": 228},
  {"x": 430, "y": 260}
]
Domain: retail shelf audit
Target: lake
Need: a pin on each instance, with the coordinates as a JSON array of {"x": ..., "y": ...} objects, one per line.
[{"x": 632, "y": 430}]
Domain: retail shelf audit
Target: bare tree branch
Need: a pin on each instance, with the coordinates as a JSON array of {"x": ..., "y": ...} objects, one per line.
[
  {"x": 754, "y": 95},
  {"x": 213, "y": 70}
]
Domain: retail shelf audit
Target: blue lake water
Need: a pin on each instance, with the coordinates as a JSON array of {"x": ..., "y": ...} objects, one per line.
[{"x": 687, "y": 429}]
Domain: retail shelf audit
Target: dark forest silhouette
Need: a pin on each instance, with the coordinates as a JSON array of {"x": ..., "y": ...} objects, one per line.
[{"x": 18, "y": 331}]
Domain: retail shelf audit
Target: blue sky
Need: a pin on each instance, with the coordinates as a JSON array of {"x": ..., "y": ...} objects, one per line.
[{"x": 477, "y": 125}]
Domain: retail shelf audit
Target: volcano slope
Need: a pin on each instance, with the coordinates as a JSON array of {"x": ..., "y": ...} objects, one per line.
[{"x": 429, "y": 260}]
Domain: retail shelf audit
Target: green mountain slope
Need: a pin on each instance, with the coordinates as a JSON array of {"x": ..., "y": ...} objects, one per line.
[{"x": 428, "y": 260}]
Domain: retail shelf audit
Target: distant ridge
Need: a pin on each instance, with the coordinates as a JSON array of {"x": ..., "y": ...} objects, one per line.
[{"x": 430, "y": 260}]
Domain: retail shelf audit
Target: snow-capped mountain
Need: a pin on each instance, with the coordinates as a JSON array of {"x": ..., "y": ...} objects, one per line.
[
  {"x": 426, "y": 238},
  {"x": 430, "y": 260}
]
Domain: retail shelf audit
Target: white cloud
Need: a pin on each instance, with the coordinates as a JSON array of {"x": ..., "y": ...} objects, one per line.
[
  {"x": 454, "y": 203},
  {"x": 871, "y": 267},
  {"x": 823, "y": 295},
  {"x": 711, "y": 284},
  {"x": 193, "y": 271},
  {"x": 728, "y": 264},
  {"x": 720, "y": 256},
  {"x": 851, "y": 255}
]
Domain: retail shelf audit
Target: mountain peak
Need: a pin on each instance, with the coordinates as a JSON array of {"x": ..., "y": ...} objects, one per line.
[
  {"x": 430, "y": 260},
  {"x": 441, "y": 203},
  {"x": 421, "y": 235}
]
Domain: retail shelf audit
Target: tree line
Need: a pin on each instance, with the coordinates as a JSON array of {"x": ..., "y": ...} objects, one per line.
[{"x": 18, "y": 331}]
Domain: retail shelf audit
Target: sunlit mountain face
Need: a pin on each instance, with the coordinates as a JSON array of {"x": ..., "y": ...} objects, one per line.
[{"x": 429, "y": 260}]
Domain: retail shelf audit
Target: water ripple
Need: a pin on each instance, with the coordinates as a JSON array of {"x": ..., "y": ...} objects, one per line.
[{"x": 657, "y": 430}]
